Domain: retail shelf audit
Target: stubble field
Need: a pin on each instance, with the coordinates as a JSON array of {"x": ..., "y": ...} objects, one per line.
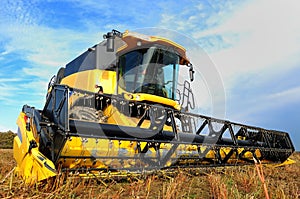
[{"x": 233, "y": 182}]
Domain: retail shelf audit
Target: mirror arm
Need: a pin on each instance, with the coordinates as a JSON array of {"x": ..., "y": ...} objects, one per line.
[{"x": 191, "y": 71}]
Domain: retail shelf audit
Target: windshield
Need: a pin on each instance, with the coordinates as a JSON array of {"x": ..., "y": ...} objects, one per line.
[{"x": 152, "y": 70}]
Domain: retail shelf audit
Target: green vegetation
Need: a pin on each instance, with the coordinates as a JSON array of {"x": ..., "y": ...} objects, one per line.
[
  {"x": 233, "y": 182},
  {"x": 6, "y": 140}
]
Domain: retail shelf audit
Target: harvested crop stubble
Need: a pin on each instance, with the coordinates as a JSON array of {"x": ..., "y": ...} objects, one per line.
[{"x": 233, "y": 182}]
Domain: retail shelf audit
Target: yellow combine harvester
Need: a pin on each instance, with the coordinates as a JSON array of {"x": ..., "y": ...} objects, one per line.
[{"x": 118, "y": 108}]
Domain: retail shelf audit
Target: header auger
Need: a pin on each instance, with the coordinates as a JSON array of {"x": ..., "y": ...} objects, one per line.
[{"x": 118, "y": 109}]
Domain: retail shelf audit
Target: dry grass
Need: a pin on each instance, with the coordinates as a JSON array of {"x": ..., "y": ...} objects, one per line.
[{"x": 234, "y": 182}]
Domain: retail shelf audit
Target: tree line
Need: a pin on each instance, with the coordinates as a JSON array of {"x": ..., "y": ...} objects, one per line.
[{"x": 7, "y": 139}]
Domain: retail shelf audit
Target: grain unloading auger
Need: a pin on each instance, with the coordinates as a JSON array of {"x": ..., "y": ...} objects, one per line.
[{"x": 134, "y": 120}]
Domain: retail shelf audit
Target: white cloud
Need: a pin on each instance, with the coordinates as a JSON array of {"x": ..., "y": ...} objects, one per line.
[
  {"x": 23, "y": 33},
  {"x": 268, "y": 37},
  {"x": 44, "y": 46},
  {"x": 288, "y": 96},
  {"x": 263, "y": 38},
  {"x": 263, "y": 104},
  {"x": 6, "y": 80},
  {"x": 7, "y": 91},
  {"x": 249, "y": 44},
  {"x": 31, "y": 53}
]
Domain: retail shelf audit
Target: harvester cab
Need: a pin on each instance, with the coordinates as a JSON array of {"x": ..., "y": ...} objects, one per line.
[
  {"x": 117, "y": 109},
  {"x": 132, "y": 65}
]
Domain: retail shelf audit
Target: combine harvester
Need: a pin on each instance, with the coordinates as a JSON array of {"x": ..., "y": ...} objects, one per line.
[{"x": 118, "y": 109}]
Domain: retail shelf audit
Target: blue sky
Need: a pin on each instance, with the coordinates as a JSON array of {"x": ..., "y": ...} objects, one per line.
[{"x": 252, "y": 46}]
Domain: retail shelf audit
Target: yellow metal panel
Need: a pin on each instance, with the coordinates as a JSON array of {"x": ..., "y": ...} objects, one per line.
[
  {"x": 151, "y": 98},
  {"x": 31, "y": 165},
  {"x": 86, "y": 80}
]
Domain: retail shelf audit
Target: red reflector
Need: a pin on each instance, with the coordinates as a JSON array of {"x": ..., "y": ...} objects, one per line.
[{"x": 26, "y": 118}]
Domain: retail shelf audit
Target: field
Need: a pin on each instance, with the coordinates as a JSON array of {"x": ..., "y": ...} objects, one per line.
[{"x": 234, "y": 182}]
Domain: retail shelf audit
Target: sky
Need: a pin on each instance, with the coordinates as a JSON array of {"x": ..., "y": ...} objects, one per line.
[{"x": 246, "y": 53}]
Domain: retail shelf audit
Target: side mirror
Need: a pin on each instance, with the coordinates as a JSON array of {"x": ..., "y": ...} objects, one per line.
[
  {"x": 110, "y": 37},
  {"x": 191, "y": 71}
]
